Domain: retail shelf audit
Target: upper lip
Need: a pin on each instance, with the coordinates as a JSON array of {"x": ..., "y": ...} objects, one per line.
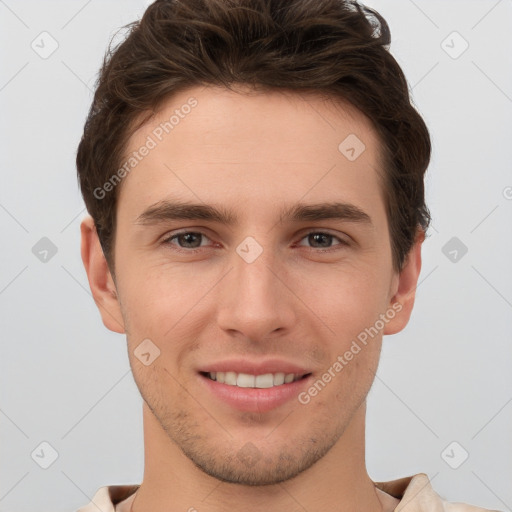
[{"x": 255, "y": 367}]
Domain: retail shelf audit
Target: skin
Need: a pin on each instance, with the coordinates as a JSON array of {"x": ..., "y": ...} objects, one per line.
[{"x": 253, "y": 154}]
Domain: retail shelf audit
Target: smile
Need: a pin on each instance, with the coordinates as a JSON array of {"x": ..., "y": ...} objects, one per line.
[{"x": 246, "y": 380}]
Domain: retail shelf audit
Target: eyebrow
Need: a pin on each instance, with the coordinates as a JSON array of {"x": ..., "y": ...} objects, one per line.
[{"x": 177, "y": 210}]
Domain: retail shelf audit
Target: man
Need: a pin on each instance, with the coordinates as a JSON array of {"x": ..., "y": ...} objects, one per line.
[{"x": 254, "y": 174}]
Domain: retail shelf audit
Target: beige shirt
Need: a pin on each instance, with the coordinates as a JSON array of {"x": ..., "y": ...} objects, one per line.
[{"x": 414, "y": 492}]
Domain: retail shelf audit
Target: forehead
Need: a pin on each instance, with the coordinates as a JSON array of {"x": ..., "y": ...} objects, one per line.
[{"x": 210, "y": 143}]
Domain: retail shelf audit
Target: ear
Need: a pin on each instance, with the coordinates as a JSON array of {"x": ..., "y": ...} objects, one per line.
[
  {"x": 101, "y": 283},
  {"x": 404, "y": 288}
]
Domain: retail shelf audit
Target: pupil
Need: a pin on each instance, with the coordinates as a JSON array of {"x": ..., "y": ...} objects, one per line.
[
  {"x": 318, "y": 237},
  {"x": 187, "y": 238},
  {"x": 321, "y": 238}
]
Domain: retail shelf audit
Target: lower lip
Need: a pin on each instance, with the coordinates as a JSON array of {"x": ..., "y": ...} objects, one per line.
[{"x": 255, "y": 399}]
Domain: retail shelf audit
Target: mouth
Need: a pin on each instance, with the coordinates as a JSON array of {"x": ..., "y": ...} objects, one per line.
[
  {"x": 256, "y": 393},
  {"x": 262, "y": 381},
  {"x": 252, "y": 385}
]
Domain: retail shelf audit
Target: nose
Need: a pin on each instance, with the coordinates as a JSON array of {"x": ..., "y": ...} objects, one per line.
[{"x": 257, "y": 300}]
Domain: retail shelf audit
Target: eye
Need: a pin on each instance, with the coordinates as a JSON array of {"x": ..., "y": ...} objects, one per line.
[
  {"x": 191, "y": 241},
  {"x": 186, "y": 240},
  {"x": 322, "y": 240}
]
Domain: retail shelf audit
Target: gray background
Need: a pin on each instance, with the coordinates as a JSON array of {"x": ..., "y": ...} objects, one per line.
[{"x": 66, "y": 378}]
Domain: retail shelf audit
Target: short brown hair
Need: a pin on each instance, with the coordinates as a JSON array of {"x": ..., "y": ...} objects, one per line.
[{"x": 335, "y": 47}]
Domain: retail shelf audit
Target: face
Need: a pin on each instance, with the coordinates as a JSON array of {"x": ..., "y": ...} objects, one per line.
[{"x": 278, "y": 271}]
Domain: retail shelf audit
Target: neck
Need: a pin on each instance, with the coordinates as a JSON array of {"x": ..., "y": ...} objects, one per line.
[{"x": 337, "y": 482}]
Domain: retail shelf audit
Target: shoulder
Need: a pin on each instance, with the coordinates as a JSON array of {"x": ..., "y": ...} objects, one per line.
[
  {"x": 107, "y": 497},
  {"x": 464, "y": 507},
  {"x": 416, "y": 494}
]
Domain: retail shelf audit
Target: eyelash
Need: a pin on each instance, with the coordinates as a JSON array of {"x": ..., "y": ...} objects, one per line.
[{"x": 167, "y": 241}]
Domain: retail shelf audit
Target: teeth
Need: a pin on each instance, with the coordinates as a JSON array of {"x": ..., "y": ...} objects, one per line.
[
  {"x": 264, "y": 381},
  {"x": 288, "y": 378},
  {"x": 245, "y": 380},
  {"x": 279, "y": 378},
  {"x": 230, "y": 378}
]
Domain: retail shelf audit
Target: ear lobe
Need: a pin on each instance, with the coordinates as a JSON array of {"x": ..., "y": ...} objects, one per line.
[
  {"x": 402, "y": 301},
  {"x": 102, "y": 285}
]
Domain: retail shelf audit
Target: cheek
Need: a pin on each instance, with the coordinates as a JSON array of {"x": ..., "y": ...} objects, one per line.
[
  {"x": 164, "y": 306},
  {"x": 336, "y": 394},
  {"x": 160, "y": 300},
  {"x": 346, "y": 300},
  {"x": 358, "y": 375},
  {"x": 155, "y": 296}
]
